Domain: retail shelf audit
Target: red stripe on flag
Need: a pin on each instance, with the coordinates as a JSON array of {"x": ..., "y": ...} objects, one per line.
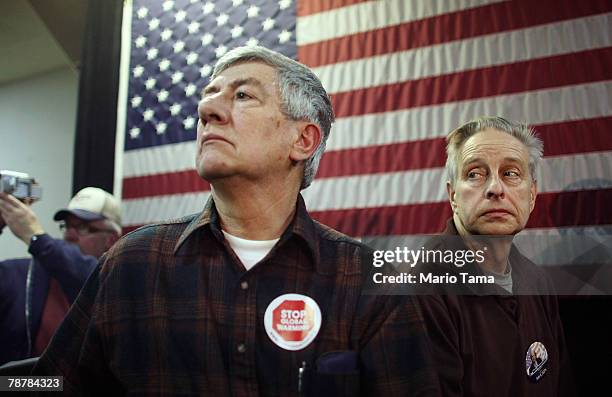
[
  {"x": 474, "y": 22},
  {"x": 162, "y": 184},
  {"x": 308, "y": 7},
  {"x": 571, "y": 137},
  {"x": 403, "y": 156},
  {"x": 581, "y": 208},
  {"x": 425, "y": 218},
  {"x": 577, "y": 208},
  {"x": 127, "y": 229},
  {"x": 579, "y": 136},
  {"x": 575, "y": 68}
]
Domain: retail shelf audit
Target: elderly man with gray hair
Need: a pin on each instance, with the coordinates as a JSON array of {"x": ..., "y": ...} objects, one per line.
[
  {"x": 250, "y": 296},
  {"x": 504, "y": 338}
]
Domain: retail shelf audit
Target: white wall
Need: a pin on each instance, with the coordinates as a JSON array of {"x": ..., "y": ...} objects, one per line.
[{"x": 37, "y": 132}]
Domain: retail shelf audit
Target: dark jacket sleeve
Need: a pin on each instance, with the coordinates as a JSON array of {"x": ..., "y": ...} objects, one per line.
[
  {"x": 13, "y": 340},
  {"x": 64, "y": 262},
  {"x": 444, "y": 341}
]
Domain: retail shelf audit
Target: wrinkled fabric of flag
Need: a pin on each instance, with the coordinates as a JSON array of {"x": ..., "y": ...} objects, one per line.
[{"x": 401, "y": 75}]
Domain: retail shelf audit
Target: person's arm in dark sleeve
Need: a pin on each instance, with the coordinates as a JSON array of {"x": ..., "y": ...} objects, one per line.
[
  {"x": 444, "y": 341},
  {"x": 76, "y": 351},
  {"x": 63, "y": 261}
]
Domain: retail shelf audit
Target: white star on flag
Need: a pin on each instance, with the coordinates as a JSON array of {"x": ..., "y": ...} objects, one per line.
[
  {"x": 284, "y": 4},
  {"x": 142, "y": 12},
  {"x": 252, "y": 11},
  {"x": 164, "y": 64},
  {"x": 205, "y": 70},
  {"x": 191, "y": 58},
  {"x": 166, "y": 34},
  {"x": 138, "y": 71},
  {"x": 252, "y": 42},
  {"x": 208, "y": 8},
  {"x": 179, "y": 16},
  {"x": 150, "y": 83},
  {"x": 189, "y": 122},
  {"x": 140, "y": 41},
  {"x": 136, "y": 101},
  {"x": 175, "y": 109},
  {"x": 134, "y": 132},
  {"x": 237, "y": 31},
  {"x": 193, "y": 27},
  {"x": 219, "y": 51},
  {"x": 222, "y": 19},
  {"x": 178, "y": 46},
  {"x": 161, "y": 128},
  {"x": 267, "y": 24},
  {"x": 153, "y": 24},
  {"x": 167, "y": 5},
  {"x": 207, "y": 39},
  {"x": 176, "y": 77},
  {"x": 152, "y": 53},
  {"x": 147, "y": 114},
  {"x": 190, "y": 90},
  {"x": 236, "y": 3},
  {"x": 162, "y": 96},
  {"x": 284, "y": 36}
]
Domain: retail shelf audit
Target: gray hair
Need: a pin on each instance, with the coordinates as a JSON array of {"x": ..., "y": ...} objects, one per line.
[
  {"x": 521, "y": 131},
  {"x": 302, "y": 95}
]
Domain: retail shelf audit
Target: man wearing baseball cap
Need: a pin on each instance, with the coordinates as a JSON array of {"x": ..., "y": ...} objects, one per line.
[{"x": 36, "y": 292}]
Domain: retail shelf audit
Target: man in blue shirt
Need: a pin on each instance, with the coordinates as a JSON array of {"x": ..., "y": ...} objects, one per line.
[{"x": 36, "y": 292}]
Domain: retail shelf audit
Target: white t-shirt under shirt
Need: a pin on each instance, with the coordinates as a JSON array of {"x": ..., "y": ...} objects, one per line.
[
  {"x": 249, "y": 251},
  {"x": 503, "y": 280}
]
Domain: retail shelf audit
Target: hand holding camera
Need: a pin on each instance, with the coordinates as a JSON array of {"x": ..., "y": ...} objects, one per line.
[{"x": 17, "y": 191}]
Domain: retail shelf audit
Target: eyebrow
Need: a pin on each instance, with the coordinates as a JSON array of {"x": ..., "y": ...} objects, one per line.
[
  {"x": 209, "y": 89},
  {"x": 473, "y": 160}
]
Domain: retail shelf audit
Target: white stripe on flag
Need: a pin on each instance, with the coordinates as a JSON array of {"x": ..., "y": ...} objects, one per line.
[
  {"x": 159, "y": 159},
  {"x": 374, "y": 15},
  {"x": 155, "y": 209},
  {"x": 457, "y": 56}
]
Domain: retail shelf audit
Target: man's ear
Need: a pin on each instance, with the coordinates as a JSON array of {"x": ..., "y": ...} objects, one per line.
[
  {"x": 533, "y": 192},
  {"x": 451, "y": 195},
  {"x": 111, "y": 239},
  {"x": 307, "y": 141}
]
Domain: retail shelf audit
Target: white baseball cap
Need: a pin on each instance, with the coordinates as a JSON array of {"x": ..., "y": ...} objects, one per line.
[{"x": 92, "y": 204}]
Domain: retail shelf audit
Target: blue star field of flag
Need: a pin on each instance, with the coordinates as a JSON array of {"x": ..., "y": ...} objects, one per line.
[{"x": 174, "y": 46}]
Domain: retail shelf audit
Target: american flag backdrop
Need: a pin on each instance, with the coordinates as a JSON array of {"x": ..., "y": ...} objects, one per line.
[{"x": 401, "y": 74}]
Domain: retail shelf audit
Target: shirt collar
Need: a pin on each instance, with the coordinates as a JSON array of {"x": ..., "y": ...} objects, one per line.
[{"x": 301, "y": 226}]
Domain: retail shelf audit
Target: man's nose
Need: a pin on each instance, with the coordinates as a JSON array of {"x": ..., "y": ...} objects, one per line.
[
  {"x": 213, "y": 109},
  {"x": 495, "y": 187}
]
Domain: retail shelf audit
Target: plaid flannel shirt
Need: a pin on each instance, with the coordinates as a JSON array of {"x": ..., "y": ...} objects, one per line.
[{"x": 172, "y": 311}]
